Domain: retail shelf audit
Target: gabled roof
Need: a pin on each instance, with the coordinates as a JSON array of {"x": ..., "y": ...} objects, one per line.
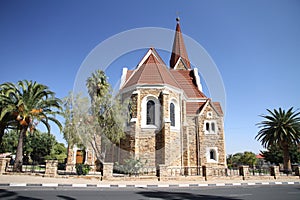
[
  {"x": 178, "y": 50},
  {"x": 193, "y": 108},
  {"x": 151, "y": 70},
  {"x": 218, "y": 107}
]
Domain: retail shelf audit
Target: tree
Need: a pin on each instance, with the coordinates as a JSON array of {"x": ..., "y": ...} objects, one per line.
[
  {"x": 57, "y": 152},
  {"x": 8, "y": 119},
  {"x": 274, "y": 155},
  {"x": 102, "y": 124},
  {"x": 280, "y": 128},
  {"x": 234, "y": 160},
  {"x": 37, "y": 147},
  {"x": 248, "y": 158},
  {"x": 9, "y": 142},
  {"x": 30, "y": 103},
  {"x": 72, "y": 106},
  {"x": 97, "y": 85}
]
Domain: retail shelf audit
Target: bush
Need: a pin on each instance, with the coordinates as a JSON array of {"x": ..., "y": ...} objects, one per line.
[
  {"x": 131, "y": 166},
  {"x": 82, "y": 169}
]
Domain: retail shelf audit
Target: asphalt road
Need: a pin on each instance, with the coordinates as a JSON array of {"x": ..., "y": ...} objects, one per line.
[{"x": 262, "y": 192}]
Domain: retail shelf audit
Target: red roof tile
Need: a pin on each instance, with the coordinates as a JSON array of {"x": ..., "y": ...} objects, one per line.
[
  {"x": 187, "y": 83},
  {"x": 260, "y": 156},
  {"x": 193, "y": 108},
  {"x": 152, "y": 71},
  {"x": 218, "y": 107}
]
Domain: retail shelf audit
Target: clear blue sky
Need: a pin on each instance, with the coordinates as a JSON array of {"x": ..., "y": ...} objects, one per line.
[{"x": 254, "y": 43}]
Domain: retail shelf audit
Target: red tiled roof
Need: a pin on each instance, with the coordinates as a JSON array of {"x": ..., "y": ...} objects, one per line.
[
  {"x": 218, "y": 107},
  {"x": 152, "y": 71},
  {"x": 129, "y": 72},
  {"x": 193, "y": 108},
  {"x": 187, "y": 83},
  {"x": 259, "y": 156},
  {"x": 179, "y": 49}
]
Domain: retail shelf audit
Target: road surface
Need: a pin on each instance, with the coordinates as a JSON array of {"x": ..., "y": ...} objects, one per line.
[{"x": 261, "y": 192}]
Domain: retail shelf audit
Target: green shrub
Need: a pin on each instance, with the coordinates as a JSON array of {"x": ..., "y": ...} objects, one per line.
[{"x": 82, "y": 169}]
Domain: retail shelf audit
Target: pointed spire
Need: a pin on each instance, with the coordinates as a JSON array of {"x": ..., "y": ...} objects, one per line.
[{"x": 178, "y": 50}]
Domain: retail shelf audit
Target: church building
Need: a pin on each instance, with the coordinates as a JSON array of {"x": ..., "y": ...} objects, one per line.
[{"x": 172, "y": 122}]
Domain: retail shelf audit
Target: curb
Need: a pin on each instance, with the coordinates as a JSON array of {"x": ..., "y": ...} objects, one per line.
[{"x": 55, "y": 185}]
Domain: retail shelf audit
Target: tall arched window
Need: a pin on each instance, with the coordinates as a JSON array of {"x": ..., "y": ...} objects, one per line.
[
  {"x": 213, "y": 128},
  {"x": 212, "y": 154},
  {"x": 207, "y": 126},
  {"x": 172, "y": 114},
  {"x": 150, "y": 112}
]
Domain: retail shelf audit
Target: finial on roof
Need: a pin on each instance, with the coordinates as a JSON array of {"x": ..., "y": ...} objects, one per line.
[{"x": 177, "y": 18}]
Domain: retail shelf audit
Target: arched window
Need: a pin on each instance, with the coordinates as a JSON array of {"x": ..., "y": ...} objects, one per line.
[
  {"x": 212, "y": 154},
  {"x": 172, "y": 114},
  {"x": 150, "y": 112},
  {"x": 213, "y": 127},
  {"x": 210, "y": 127},
  {"x": 207, "y": 126}
]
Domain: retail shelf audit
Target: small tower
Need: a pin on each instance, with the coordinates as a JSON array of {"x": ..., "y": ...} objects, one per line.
[{"x": 179, "y": 57}]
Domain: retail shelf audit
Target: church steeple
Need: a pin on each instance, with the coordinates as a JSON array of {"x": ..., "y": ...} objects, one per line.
[{"x": 178, "y": 51}]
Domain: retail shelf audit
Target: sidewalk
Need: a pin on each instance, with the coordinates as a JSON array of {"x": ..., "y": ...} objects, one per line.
[{"x": 92, "y": 182}]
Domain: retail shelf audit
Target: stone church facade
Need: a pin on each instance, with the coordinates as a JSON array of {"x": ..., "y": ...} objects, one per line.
[{"x": 172, "y": 122}]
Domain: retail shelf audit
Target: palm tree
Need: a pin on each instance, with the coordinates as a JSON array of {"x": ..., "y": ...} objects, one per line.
[
  {"x": 281, "y": 128},
  {"x": 29, "y": 103},
  {"x": 7, "y": 121},
  {"x": 97, "y": 84}
]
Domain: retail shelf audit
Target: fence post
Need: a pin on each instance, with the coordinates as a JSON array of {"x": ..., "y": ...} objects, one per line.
[
  {"x": 297, "y": 171},
  {"x": 208, "y": 172},
  {"x": 244, "y": 171},
  {"x": 108, "y": 170},
  {"x": 204, "y": 172},
  {"x": 163, "y": 172},
  {"x": 51, "y": 167},
  {"x": 275, "y": 171},
  {"x": 3, "y": 164}
]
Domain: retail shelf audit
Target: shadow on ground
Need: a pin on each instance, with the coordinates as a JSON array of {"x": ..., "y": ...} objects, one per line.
[
  {"x": 65, "y": 197},
  {"x": 181, "y": 195},
  {"x": 5, "y": 194}
]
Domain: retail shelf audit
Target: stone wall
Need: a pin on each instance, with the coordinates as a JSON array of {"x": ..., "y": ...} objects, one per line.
[
  {"x": 216, "y": 140},
  {"x": 51, "y": 168}
]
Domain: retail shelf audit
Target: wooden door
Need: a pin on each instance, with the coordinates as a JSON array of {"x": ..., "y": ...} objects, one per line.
[{"x": 80, "y": 157}]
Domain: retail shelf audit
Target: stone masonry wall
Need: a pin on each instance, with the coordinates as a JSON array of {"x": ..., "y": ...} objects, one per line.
[
  {"x": 192, "y": 142},
  {"x": 212, "y": 140}
]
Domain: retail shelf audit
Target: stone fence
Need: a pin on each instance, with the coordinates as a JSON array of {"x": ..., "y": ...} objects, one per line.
[{"x": 188, "y": 173}]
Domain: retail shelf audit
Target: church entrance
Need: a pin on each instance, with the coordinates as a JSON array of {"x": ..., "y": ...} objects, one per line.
[{"x": 80, "y": 156}]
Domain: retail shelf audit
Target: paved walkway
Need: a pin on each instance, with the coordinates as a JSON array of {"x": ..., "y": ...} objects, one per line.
[{"x": 40, "y": 181}]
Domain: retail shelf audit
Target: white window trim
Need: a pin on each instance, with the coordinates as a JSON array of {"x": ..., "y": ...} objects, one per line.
[
  {"x": 144, "y": 113},
  {"x": 177, "y": 114},
  {"x": 208, "y": 149},
  {"x": 210, "y": 131}
]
